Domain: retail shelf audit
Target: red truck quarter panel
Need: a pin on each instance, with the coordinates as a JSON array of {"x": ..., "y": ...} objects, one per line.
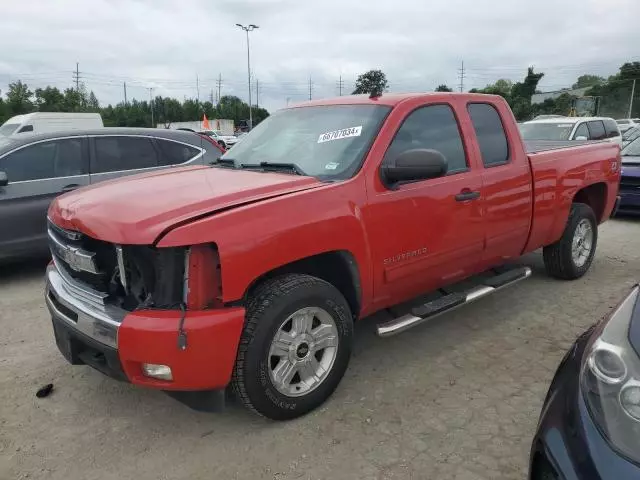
[{"x": 151, "y": 336}]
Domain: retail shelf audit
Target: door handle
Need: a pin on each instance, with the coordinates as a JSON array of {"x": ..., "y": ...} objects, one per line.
[
  {"x": 466, "y": 195},
  {"x": 68, "y": 188}
]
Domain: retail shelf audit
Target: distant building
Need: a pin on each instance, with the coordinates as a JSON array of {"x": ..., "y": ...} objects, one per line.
[{"x": 541, "y": 97}]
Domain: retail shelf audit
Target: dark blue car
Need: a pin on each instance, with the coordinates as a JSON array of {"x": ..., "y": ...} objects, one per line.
[
  {"x": 589, "y": 427},
  {"x": 630, "y": 179}
]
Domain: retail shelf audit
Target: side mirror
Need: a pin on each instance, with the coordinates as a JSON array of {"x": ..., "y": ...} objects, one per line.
[
  {"x": 581, "y": 137},
  {"x": 417, "y": 164},
  {"x": 4, "y": 180}
]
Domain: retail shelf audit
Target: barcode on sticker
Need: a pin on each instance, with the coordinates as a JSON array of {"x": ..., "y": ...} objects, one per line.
[{"x": 338, "y": 134}]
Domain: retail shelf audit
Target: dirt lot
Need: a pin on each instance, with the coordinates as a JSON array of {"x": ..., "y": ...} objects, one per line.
[{"x": 458, "y": 398}]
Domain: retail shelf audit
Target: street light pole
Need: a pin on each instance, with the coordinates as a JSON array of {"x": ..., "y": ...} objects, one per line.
[{"x": 248, "y": 29}]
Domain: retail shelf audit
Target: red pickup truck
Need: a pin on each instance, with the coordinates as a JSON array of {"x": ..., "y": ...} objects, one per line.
[{"x": 252, "y": 271}]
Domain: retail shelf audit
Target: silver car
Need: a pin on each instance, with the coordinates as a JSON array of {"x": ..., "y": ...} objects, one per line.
[{"x": 36, "y": 168}]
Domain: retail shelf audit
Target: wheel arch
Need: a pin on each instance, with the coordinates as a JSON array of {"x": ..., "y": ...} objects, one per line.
[
  {"x": 337, "y": 267},
  {"x": 594, "y": 195}
]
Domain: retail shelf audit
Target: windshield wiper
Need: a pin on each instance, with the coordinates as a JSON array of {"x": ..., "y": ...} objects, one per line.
[
  {"x": 292, "y": 167},
  {"x": 224, "y": 162}
]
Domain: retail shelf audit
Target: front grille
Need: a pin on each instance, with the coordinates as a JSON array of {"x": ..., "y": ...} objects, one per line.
[{"x": 103, "y": 255}]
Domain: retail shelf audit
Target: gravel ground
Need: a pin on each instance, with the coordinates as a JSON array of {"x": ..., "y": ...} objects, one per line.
[{"x": 457, "y": 398}]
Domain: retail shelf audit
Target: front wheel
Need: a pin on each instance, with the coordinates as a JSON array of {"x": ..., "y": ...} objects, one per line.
[
  {"x": 571, "y": 256},
  {"x": 222, "y": 144},
  {"x": 295, "y": 346}
]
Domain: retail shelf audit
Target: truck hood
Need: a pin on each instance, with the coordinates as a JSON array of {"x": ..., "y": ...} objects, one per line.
[{"x": 140, "y": 208}]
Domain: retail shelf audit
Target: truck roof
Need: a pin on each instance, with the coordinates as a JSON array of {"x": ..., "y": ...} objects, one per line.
[{"x": 392, "y": 99}]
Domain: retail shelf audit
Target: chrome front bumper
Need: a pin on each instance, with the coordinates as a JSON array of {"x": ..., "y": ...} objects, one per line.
[{"x": 81, "y": 308}]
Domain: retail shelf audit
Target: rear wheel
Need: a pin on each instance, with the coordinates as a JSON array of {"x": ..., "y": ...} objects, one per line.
[
  {"x": 295, "y": 346},
  {"x": 571, "y": 256}
]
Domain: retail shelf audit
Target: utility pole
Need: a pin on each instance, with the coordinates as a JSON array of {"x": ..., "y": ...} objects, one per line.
[
  {"x": 633, "y": 91},
  {"x": 219, "y": 82},
  {"x": 151, "y": 105},
  {"x": 197, "y": 91},
  {"x": 310, "y": 87},
  {"x": 257, "y": 93},
  {"x": 76, "y": 77},
  {"x": 247, "y": 29},
  {"x": 211, "y": 96},
  {"x": 461, "y": 74},
  {"x": 124, "y": 84},
  {"x": 288, "y": 98},
  {"x": 340, "y": 85}
]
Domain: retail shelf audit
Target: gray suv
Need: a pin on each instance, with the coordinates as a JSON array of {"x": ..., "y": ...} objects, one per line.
[{"x": 36, "y": 168}]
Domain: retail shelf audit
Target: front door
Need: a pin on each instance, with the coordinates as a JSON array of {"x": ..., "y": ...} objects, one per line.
[
  {"x": 37, "y": 173},
  {"x": 428, "y": 233}
]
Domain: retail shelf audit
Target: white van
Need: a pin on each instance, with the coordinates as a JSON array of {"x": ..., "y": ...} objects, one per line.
[{"x": 45, "y": 122}]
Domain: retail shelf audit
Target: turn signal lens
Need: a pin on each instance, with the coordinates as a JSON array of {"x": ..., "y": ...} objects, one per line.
[{"x": 161, "y": 372}]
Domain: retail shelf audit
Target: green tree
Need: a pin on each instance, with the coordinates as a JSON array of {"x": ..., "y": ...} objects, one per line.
[
  {"x": 4, "y": 114},
  {"x": 629, "y": 71},
  {"x": 49, "y": 99},
  {"x": 588, "y": 81},
  {"x": 92, "y": 102},
  {"x": 443, "y": 88},
  {"x": 373, "y": 82},
  {"x": 19, "y": 98}
]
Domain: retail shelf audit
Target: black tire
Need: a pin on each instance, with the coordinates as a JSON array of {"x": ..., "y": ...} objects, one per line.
[
  {"x": 268, "y": 306},
  {"x": 222, "y": 144},
  {"x": 558, "y": 258}
]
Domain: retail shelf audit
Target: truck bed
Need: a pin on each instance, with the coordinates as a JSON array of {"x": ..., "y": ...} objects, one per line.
[{"x": 537, "y": 146}]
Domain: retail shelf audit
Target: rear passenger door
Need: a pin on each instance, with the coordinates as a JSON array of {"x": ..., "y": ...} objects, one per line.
[
  {"x": 37, "y": 173},
  {"x": 506, "y": 185},
  {"x": 119, "y": 155}
]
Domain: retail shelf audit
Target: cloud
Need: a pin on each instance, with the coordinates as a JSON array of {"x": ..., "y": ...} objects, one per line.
[{"x": 165, "y": 44}]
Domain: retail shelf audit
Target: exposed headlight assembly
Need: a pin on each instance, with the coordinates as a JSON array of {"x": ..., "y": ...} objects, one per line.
[{"x": 610, "y": 379}]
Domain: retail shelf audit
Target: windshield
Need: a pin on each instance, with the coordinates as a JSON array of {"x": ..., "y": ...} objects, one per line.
[
  {"x": 327, "y": 142},
  {"x": 217, "y": 133},
  {"x": 546, "y": 131},
  {"x": 631, "y": 150},
  {"x": 8, "y": 128}
]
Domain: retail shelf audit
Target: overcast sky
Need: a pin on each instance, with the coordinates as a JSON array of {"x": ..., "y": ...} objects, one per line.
[{"x": 165, "y": 44}]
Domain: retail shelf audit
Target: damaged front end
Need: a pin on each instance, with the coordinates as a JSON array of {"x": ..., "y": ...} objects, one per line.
[{"x": 135, "y": 277}]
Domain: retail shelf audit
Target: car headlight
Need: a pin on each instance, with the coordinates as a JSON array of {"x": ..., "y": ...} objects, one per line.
[{"x": 610, "y": 379}]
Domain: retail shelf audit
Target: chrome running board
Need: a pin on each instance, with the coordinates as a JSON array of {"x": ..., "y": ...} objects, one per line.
[{"x": 452, "y": 301}]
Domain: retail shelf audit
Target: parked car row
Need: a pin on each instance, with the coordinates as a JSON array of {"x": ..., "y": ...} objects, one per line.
[{"x": 34, "y": 169}]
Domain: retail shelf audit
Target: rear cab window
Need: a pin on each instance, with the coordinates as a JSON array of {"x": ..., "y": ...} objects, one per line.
[
  {"x": 490, "y": 134},
  {"x": 432, "y": 127},
  {"x": 121, "y": 153}
]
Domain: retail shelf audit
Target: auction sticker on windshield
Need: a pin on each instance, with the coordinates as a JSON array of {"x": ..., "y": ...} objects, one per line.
[{"x": 338, "y": 134}]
